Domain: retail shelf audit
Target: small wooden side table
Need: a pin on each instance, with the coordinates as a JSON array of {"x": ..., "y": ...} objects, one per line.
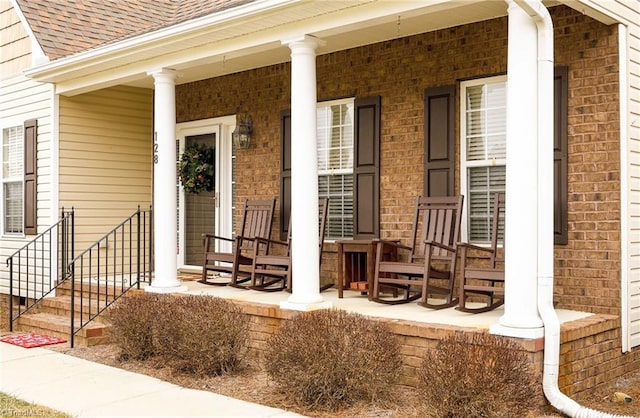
[{"x": 356, "y": 264}]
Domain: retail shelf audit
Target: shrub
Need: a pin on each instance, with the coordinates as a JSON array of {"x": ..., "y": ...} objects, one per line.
[
  {"x": 477, "y": 375},
  {"x": 328, "y": 359},
  {"x": 191, "y": 334},
  {"x": 201, "y": 335},
  {"x": 131, "y": 319}
]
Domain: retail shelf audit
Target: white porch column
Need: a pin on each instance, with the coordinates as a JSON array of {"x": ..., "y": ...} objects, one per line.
[
  {"x": 521, "y": 318},
  {"x": 304, "y": 178},
  {"x": 164, "y": 184}
]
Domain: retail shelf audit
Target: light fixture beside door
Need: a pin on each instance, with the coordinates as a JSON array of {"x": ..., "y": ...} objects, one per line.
[{"x": 242, "y": 134}]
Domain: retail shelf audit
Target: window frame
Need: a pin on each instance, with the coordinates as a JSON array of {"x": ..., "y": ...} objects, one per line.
[
  {"x": 465, "y": 165},
  {"x": 349, "y": 101}
]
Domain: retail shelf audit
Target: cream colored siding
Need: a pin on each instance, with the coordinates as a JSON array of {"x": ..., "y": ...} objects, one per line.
[
  {"x": 634, "y": 174},
  {"x": 22, "y": 99},
  {"x": 15, "y": 45},
  {"x": 105, "y": 158}
]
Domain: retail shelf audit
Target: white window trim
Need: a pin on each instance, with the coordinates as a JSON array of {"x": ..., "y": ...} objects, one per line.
[{"x": 464, "y": 164}]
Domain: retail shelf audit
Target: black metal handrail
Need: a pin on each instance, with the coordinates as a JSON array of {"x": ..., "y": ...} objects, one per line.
[
  {"x": 34, "y": 271},
  {"x": 110, "y": 267}
]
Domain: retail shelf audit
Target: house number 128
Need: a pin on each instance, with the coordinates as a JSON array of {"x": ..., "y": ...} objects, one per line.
[{"x": 155, "y": 148}]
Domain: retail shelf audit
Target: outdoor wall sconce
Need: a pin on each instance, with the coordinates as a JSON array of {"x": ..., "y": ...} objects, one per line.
[{"x": 242, "y": 134}]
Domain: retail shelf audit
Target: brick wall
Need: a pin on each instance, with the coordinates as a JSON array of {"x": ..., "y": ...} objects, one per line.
[
  {"x": 587, "y": 268},
  {"x": 4, "y": 312},
  {"x": 590, "y": 353}
]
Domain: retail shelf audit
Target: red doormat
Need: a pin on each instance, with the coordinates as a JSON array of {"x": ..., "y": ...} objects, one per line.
[{"x": 31, "y": 340}]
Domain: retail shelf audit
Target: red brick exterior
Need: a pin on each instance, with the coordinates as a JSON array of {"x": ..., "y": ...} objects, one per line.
[
  {"x": 587, "y": 268},
  {"x": 590, "y": 353}
]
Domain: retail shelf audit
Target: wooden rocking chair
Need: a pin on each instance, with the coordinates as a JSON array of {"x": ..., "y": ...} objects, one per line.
[
  {"x": 430, "y": 265},
  {"x": 257, "y": 219},
  {"x": 271, "y": 271},
  {"x": 483, "y": 273}
]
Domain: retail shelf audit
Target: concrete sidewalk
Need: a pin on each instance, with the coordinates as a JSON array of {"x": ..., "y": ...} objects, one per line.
[{"x": 83, "y": 388}]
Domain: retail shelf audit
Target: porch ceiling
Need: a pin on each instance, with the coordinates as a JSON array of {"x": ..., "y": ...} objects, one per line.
[{"x": 250, "y": 37}]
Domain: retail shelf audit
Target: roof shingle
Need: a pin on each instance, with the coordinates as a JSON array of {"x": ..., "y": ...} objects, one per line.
[{"x": 66, "y": 27}]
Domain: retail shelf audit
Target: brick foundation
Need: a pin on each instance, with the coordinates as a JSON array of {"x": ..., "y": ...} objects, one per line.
[{"x": 590, "y": 351}]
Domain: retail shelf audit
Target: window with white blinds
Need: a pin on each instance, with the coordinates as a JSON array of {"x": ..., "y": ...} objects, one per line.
[
  {"x": 483, "y": 152},
  {"x": 12, "y": 179},
  {"x": 335, "y": 165}
]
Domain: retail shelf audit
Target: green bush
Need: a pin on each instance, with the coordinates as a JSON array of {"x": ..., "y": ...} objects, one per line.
[
  {"x": 191, "y": 334},
  {"x": 477, "y": 375},
  {"x": 328, "y": 359},
  {"x": 131, "y": 320},
  {"x": 202, "y": 335}
]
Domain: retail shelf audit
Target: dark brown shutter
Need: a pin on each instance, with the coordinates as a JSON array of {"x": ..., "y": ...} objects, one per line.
[
  {"x": 30, "y": 177},
  {"x": 366, "y": 169},
  {"x": 439, "y": 141},
  {"x": 560, "y": 145},
  {"x": 285, "y": 173}
]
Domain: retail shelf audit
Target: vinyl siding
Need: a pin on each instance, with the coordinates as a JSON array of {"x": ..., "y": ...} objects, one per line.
[
  {"x": 634, "y": 178},
  {"x": 105, "y": 158},
  {"x": 15, "y": 45},
  {"x": 22, "y": 99}
]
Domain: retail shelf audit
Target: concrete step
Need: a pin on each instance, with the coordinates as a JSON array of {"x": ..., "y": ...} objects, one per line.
[
  {"x": 58, "y": 326},
  {"x": 61, "y": 305},
  {"x": 102, "y": 291}
]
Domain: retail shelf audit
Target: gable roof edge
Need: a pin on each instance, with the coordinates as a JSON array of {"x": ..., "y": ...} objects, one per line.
[{"x": 52, "y": 70}]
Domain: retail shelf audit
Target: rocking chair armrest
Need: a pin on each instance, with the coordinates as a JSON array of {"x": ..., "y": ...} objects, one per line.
[
  {"x": 268, "y": 241},
  {"x": 210, "y": 236},
  {"x": 440, "y": 245},
  {"x": 467, "y": 246},
  {"x": 395, "y": 244}
]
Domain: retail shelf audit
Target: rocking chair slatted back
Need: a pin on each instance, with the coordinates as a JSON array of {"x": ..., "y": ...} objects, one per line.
[
  {"x": 435, "y": 220},
  {"x": 257, "y": 220}
]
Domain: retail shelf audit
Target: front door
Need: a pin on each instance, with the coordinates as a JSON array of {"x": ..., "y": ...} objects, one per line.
[
  {"x": 208, "y": 211},
  {"x": 199, "y": 208}
]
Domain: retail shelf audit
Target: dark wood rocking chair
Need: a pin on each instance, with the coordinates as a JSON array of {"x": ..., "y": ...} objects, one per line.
[
  {"x": 430, "y": 265},
  {"x": 483, "y": 272},
  {"x": 257, "y": 219},
  {"x": 272, "y": 271}
]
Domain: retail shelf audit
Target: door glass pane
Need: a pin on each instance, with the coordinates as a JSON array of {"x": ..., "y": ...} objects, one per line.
[{"x": 199, "y": 209}]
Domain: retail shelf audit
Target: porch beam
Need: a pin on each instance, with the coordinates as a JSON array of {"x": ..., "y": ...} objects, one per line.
[
  {"x": 165, "y": 230},
  {"x": 305, "y": 251},
  {"x": 521, "y": 318}
]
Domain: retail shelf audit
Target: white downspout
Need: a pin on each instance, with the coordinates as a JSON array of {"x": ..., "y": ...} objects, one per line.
[{"x": 559, "y": 400}]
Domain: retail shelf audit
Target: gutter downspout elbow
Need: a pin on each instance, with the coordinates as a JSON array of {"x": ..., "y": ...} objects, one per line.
[{"x": 559, "y": 400}]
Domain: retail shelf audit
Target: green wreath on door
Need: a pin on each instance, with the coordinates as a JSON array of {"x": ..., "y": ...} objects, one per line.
[{"x": 196, "y": 168}]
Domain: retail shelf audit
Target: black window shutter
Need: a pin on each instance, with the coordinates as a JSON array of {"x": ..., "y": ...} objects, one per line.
[
  {"x": 560, "y": 151},
  {"x": 439, "y": 141},
  {"x": 366, "y": 168},
  {"x": 285, "y": 173},
  {"x": 30, "y": 176}
]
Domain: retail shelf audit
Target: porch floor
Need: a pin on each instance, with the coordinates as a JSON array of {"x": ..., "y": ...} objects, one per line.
[{"x": 354, "y": 301}]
